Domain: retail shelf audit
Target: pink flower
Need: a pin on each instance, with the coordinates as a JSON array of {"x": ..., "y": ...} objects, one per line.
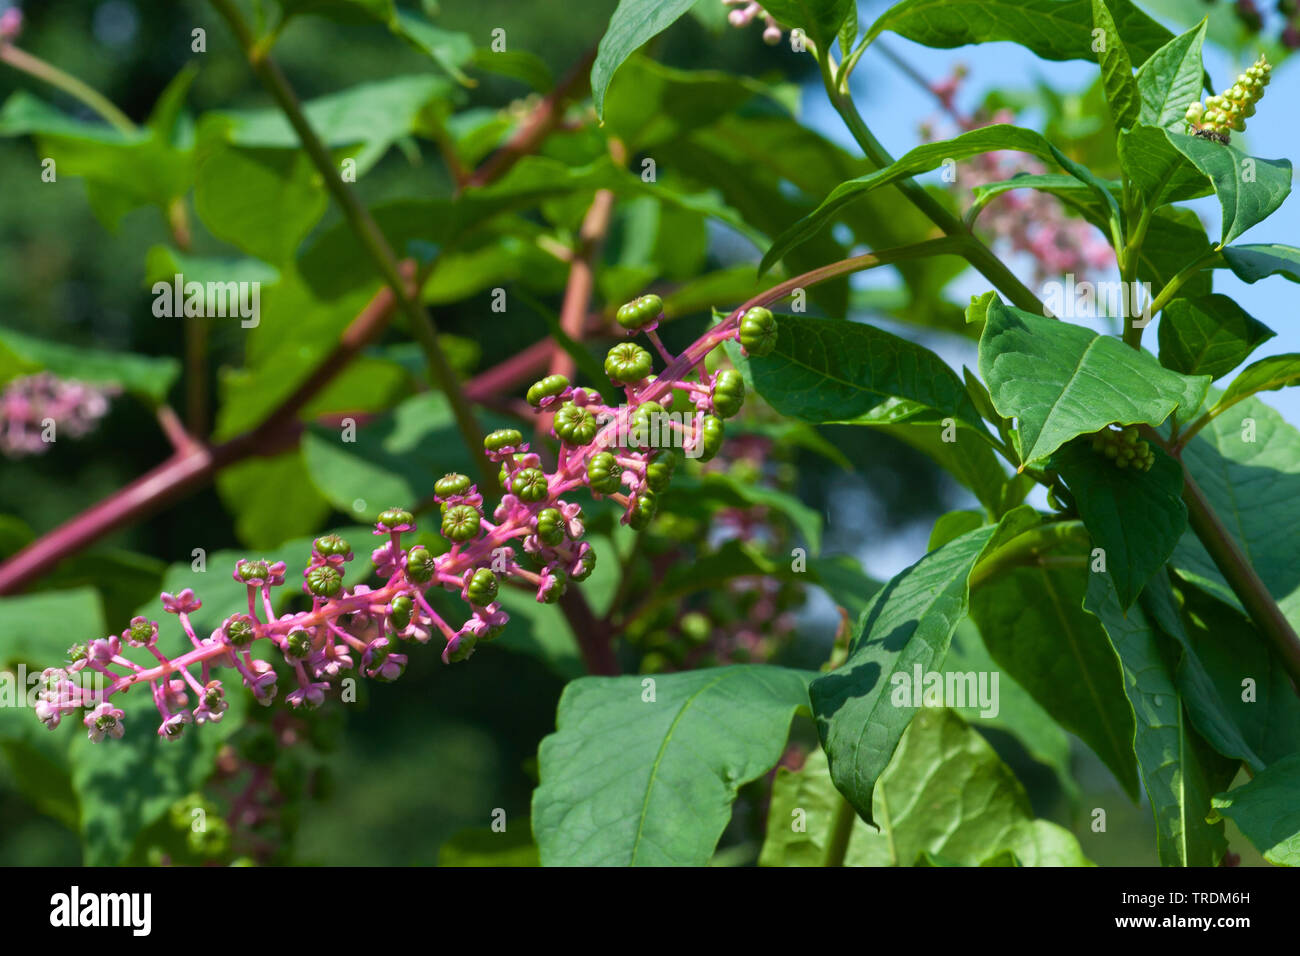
[
  {"x": 183, "y": 603},
  {"x": 104, "y": 721}
]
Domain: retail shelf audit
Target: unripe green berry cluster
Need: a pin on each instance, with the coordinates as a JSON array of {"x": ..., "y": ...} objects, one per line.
[
  {"x": 1124, "y": 448},
  {"x": 1229, "y": 110}
]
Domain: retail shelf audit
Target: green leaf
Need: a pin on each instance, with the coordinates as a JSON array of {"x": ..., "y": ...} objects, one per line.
[
  {"x": 1175, "y": 238},
  {"x": 1208, "y": 335},
  {"x": 272, "y": 499},
  {"x": 922, "y": 159},
  {"x": 1034, "y": 626},
  {"x": 450, "y": 50},
  {"x": 643, "y": 772},
  {"x": 1135, "y": 517},
  {"x": 263, "y": 201},
  {"x": 802, "y": 816},
  {"x": 1249, "y": 189},
  {"x": 1266, "y": 375},
  {"x": 1159, "y": 171},
  {"x": 1250, "y": 263},
  {"x": 1116, "y": 68},
  {"x": 969, "y": 460},
  {"x": 1052, "y": 29},
  {"x": 1061, "y": 380},
  {"x": 522, "y": 65},
  {"x": 907, "y": 626},
  {"x": 1170, "y": 80},
  {"x": 1068, "y": 189},
  {"x": 819, "y": 19},
  {"x": 1179, "y": 770},
  {"x": 843, "y": 579},
  {"x": 37, "y": 629},
  {"x": 148, "y": 377},
  {"x": 831, "y": 371},
  {"x": 1265, "y": 809},
  {"x": 1248, "y": 465},
  {"x": 633, "y": 23}
]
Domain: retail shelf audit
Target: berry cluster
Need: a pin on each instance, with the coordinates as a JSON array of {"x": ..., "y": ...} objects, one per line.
[
  {"x": 29, "y": 405},
  {"x": 625, "y": 453},
  {"x": 1228, "y": 111},
  {"x": 1124, "y": 448}
]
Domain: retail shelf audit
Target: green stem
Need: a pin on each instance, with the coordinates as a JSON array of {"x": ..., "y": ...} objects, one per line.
[
  {"x": 1128, "y": 263},
  {"x": 367, "y": 232},
  {"x": 1173, "y": 285},
  {"x": 841, "y": 832},
  {"x": 972, "y": 250},
  {"x": 35, "y": 66}
]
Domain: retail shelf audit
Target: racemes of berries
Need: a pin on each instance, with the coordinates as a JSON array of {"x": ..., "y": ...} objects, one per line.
[
  {"x": 1124, "y": 448},
  {"x": 351, "y": 627},
  {"x": 1228, "y": 111}
]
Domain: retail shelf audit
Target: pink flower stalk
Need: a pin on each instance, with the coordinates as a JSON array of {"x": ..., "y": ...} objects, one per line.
[
  {"x": 1024, "y": 220},
  {"x": 368, "y": 627},
  {"x": 30, "y": 405}
]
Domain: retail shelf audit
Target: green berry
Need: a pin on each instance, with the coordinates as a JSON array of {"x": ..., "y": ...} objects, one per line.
[
  {"x": 483, "y": 587},
  {"x": 660, "y": 472},
  {"x": 529, "y": 484},
  {"x": 643, "y": 511},
  {"x": 420, "y": 564},
  {"x": 554, "y": 591},
  {"x": 639, "y": 313},
  {"x": 550, "y": 526},
  {"x": 728, "y": 392},
  {"x": 254, "y": 570},
  {"x": 604, "y": 473},
  {"x": 395, "y": 518},
  {"x": 575, "y": 424},
  {"x": 710, "y": 437},
  {"x": 548, "y": 387},
  {"x": 627, "y": 363},
  {"x": 503, "y": 438},
  {"x": 588, "y": 565},
  {"x": 758, "y": 331},
  {"x": 324, "y": 581},
  {"x": 331, "y": 545},
  {"x": 400, "y": 609},
  {"x": 298, "y": 644},
  {"x": 239, "y": 629},
  {"x": 460, "y": 523},
  {"x": 451, "y": 484},
  {"x": 640, "y": 425}
]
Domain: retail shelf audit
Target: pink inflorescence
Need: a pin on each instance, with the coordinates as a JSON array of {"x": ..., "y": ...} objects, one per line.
[
  {"x": 624, "y": 453},
  {"x": 37, "y": 408},
  {"x": 1025, "y": 220},
  {"x": 11, "y": 24}
]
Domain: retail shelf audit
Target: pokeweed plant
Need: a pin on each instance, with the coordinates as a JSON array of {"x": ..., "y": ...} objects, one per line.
[{"x": 1147, "y": 606}]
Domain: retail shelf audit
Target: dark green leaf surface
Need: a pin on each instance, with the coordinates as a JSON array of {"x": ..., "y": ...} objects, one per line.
[
  {"x": 149, "y": 377},
  {"x": 1208, "y": 335},
  {"x": 1170, "y": 80},
  {"x": 1249, "y": 189},
  {"x": 634, "y": 23},
  {"x": 1266, "y": 810},
  {"x": 1250, "y": 263},
  {"x": 1061, "y": 380},
  {"x": 1266, "y": 375},
  {"x": 1116, "y": 68}
]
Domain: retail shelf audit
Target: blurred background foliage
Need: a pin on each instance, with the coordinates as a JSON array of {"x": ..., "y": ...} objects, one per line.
[{"x": 396, "y": 777}]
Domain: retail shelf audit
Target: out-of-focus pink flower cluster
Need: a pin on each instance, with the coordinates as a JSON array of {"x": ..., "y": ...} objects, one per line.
[
  {"x": 11, "y": 24},
  {"x": 1023, "y": 220},
  {"x": 367, "y": 629},
  {"x": 745, "y": 12},
  {"x": 30, "y": 404}
]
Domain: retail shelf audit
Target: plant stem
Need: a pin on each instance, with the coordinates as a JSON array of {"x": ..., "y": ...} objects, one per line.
[
  {"x": 368, "y": 234},
  {"x": 841, "y": 833},
  {"x": 35, "y": 66},
  {"x": 1241, "y": 577},
  {"x": 972, "y": 249}
]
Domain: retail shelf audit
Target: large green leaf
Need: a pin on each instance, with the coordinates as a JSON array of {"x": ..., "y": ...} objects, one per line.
[
  {"x": 831, "y": 371},
  {"x": 1175, "y": 238},
  {"x": 633, "y": 23},
  {"x": 1247, "y": 463},
  {"x": 1116, "y": 68},
  {"x": 1052, "y": 29},
  {"x": 907, "y": 626},
  {"x": 1179, "y": 770},
  {"x": 256, "y": 492},
  {"x": 643, "y": 771},
  {"x": 1267, "y": 811},
  {"x": 1160, "y": 172},
  {"x": 922, "y": 159},
  {"x": 1250, "y": 263},
  {"x": 149, "y": 377},
  {"x": 1249, "y": 189},
  {"x": 1208, "y": 335},
  {"x": 1061, "y": 380},
  {"x": 1170, "y": 80},
  {"x": 1136, "y": 517},
  {"x": 1033, "y": 623}
]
